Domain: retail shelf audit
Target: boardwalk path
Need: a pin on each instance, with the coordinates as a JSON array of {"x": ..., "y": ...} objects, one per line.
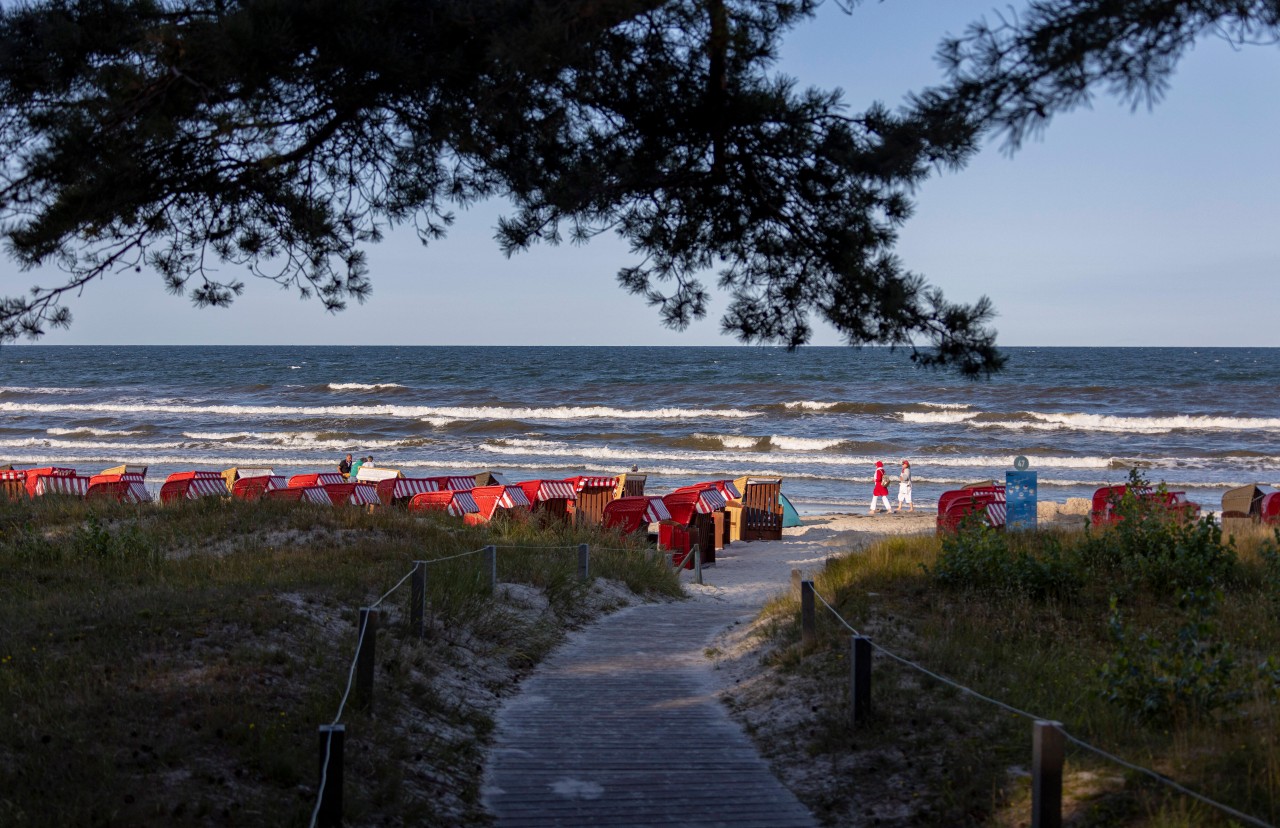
[{"x": 621, "y": 726}]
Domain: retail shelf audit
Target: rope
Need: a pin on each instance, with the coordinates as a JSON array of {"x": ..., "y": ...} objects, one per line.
[
  {"x": 453, "y": 557},
  {"x": 1227, "y": 809},
  {"x": 328, "y": 743},
  {"x": 387, "y": 594}
]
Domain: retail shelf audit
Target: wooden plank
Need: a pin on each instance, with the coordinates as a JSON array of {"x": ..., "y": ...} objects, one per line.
[{"x": 622, "y": 726}]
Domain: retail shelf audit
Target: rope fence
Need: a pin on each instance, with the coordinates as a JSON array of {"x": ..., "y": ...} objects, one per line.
[
  {"x": 1047, "y": 735},
  {"x": 328, "y": 809}
]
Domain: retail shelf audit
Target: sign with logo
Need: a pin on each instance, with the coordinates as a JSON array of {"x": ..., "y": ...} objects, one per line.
[{"x": 1020, "y": 499}]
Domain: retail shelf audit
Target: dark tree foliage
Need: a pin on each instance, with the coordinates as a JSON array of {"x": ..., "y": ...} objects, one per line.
[
  {"x": 1013, "y": 75},
  {"x": 206, "y": 139}
]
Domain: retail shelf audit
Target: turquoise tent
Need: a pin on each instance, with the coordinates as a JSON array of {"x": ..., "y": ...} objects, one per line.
[{"x": 790, "y": 517}]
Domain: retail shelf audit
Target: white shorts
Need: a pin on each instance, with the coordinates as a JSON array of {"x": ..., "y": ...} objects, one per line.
[{"x": 904, "y": 495}]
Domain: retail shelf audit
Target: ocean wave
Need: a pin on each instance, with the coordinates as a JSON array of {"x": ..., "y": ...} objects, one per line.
[
  {"x": 361, "y": 386},
  {"x": 92, "y": 432},
  {"x": 551, "y": 448},
  {"x": 811, "y": 405},
  {"x": 1155, "y": 425},
  {"x": 1107, "y": 423},
  {"x": 947, "y": 417},
  {"x": 30, "y": 389},
  {"x": 949, "y": 406},
  {"x": 783, "y": 442},
  {"x": 566, "y": 412}
]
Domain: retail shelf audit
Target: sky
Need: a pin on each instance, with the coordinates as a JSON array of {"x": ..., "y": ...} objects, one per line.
[{"x": 1118, "y": 227}]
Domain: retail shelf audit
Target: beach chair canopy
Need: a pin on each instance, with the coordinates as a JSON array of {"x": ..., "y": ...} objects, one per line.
[
  {"x": 190, "y": 485},
  {"x": 126, "y": 484},
  {"x": 633, "y": 514},
  {"x": 374, "y": 474},
  {"x": 688, "y": 501},
  {"x": 489, "y": 478},
  {"x": 540, "y": 490},
  {"x": 726, "y": 487},
  {"x": 456, "y": 503},
  {"x": 299, "y": 494},
  {"x": 322, "y": 479},
  {"x": 1245, "y": 501},
  {"x": 55, "y": 480},
  {"x": 454, "y": 482},
  {"x": 489, "y": 499},
  {"x": 954, "y": 506},
  {"x": 1269, "y": 510}
]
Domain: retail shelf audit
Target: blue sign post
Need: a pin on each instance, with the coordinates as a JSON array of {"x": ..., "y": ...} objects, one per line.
[{"x": 1020, "y": 496}]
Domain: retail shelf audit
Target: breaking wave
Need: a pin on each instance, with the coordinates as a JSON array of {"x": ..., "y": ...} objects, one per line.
[{"x": 419, "y": 412}]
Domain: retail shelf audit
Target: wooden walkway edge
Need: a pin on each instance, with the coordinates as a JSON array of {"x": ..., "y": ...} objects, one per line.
[{"x": 621, "y": 727}]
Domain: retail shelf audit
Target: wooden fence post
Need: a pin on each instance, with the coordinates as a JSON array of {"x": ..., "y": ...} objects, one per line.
[
  {"x": 808, "y": 615},
  {"x": 860, "y": 679},
  {"x": 795, "y": 583},
  {"x": 367, "y": 638},
  {"x": 697, "y": 563},
  {"x": 584, "y": 561},
  {"x": 418, "y": 599},
  {"x": 329, "y": 814},
  {"x": 491, "y": 564},
  {"x": 1047, "y": 748}
]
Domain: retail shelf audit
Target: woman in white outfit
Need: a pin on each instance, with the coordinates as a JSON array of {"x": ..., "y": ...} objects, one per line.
[{"x": 904, "y": 487}]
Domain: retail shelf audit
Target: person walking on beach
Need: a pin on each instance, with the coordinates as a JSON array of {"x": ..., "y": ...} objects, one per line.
[
  {"x": 880, "y": 490},
  {"x": 904, "y": 487},
  {"x": 344, "y": 467}
]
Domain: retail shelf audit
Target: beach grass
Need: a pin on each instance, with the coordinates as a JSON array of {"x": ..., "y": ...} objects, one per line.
[
  {"x": 1156, "y": 642},
  {"x": 171, "y": 666}
]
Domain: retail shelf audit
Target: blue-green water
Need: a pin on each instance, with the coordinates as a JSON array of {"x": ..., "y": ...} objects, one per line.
[{"x": 1202, "y": 420}]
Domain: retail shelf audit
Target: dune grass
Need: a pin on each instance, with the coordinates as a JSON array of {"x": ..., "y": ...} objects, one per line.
[
  {"x": 1154, "y": 640},
  {"x": 170, "y": 666}
]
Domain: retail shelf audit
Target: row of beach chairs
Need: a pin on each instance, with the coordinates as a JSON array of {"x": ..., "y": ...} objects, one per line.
[
  {"x": 1252, "y": 504},
  {"x": 707, "y": 515}
]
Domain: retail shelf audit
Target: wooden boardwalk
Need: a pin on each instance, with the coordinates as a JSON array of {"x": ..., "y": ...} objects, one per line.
[{"x": 621, "y": 727}]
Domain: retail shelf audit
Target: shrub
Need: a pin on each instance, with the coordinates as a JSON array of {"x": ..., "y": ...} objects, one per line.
[
  {"x": 1159, "y": 679},
  {"x": 980, "y": 558}
]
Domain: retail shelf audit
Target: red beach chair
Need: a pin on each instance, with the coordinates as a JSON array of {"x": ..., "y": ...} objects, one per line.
[
  {"x": 54, "y": 480},
  {"x": 192, "y": 485},
  {"x": 456, "y": 503},
  {"x": 695, "y": 508},
  {"x": 956, "y": 505},
  {"x": 251, "y": 483},
  {"x": 592, "y": 495},
  {"x": 126, "y": 484},
  {"x": 554, "y": 498},
  {"x": 634, "y": 514},
  {"x": 511, "y": 499}
]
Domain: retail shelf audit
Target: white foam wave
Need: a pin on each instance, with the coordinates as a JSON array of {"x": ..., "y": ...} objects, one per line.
[
  {"x": 36, "y": 389},
  {"x": 779, "y": 441},
  {"x": 548, "y": 448},
  {"x": 92, "y": 432},
  {"x": 419, "y": 412},
  {"x": 949, "y": 406},
  {"x": 1155, "y": 425},
  {"x": 811, "y": 405},
  {"x": 948, "y": 417},
  {"x": 360, "y": 386},
  {"x": 803, "y": 443}
]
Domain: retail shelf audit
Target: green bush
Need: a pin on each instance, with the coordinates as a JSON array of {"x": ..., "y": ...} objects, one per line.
[
  {"x": 1159, "y": 678},
  {"x": 983, "y": 559}
]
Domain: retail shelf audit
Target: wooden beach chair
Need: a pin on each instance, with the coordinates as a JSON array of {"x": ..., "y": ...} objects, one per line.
[{"x": 761, "y": 515}]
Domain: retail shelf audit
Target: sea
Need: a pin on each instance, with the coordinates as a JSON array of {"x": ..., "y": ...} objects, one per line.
[{"x": 1200, "y": 420}]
